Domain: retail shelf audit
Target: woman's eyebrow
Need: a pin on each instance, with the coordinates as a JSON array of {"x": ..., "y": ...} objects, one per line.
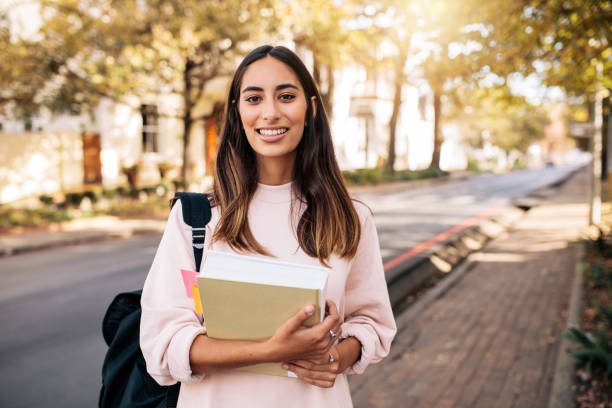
[
  {"x": 278, "y": 88},
  {"x": 283, "y": 86}
]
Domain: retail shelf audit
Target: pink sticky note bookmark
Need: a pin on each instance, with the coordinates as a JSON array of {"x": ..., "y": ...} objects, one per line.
[{"x": 189, "y": 279}]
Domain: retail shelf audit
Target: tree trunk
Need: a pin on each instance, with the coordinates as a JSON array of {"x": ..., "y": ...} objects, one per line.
[
  {"x": 187, "y": 125},
  {"x": 316, "y": 71},
  {"x": 397, "y": 101},
  {"x": 328, "y": 98},
  {"x": 596, "y": 148},
  {"x": 328, "y": 95},
  {"x": 435, "y": 157}
]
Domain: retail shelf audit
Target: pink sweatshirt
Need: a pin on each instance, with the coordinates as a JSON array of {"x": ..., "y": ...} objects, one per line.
[{"x": 169, "y": 324}]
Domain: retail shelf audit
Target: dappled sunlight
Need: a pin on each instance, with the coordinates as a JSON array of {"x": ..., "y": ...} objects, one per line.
[
  {"x": 547, "y": 246},
  {"x": 441, "y": 264},
  {"x": 498, "y": 257}
]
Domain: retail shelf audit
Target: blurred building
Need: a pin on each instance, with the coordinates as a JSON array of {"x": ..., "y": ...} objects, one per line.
[
  {"x": 51, "y": 153},
  {"x": 363, "y": 104}
]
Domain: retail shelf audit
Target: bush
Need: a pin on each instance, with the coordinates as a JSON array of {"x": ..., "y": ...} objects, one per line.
[
  {"x": 109, "y": 193},
  {"x": 378, "y": 175},
  {"x": 11, "y": 217},
  {"x": 93, "y": 195},
  {"x": 74, "y": 199},
  {"x": 595, "y": 350},
  {"x": 45, "y": 199}
]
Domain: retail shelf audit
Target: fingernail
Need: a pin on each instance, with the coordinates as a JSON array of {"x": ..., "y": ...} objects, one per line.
[
  {"x": 285, "y": 366},
  {"x": 310, "y": 309}
]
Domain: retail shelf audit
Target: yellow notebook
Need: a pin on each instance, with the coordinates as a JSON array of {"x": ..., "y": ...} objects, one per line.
[{"x": 248, "y": 298}]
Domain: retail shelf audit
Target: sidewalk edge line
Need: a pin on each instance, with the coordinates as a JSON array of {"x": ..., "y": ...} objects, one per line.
[{"x": 561, "y": 393}]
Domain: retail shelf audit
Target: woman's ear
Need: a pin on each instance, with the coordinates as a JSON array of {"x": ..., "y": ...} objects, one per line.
[{"x": 313, "y": 101}]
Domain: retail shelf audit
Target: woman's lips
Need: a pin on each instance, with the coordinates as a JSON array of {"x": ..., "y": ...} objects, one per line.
[{"x": 271, "y": 138}]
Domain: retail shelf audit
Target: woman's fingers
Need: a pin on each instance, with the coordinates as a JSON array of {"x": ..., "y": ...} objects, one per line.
[
  {"x": 330, "y": 308},
  {"x": 324, "y": 378},
  {"x": 320, "y": 362},
  {"x": 296, "y": 321},
  {"x": 318, "y": 366},
  {"x": 294, "y": 341}
]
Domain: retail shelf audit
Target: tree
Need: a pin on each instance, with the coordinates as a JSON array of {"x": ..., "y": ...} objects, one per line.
[
  {"x": 208, "y": 38},
  {"x": 561, "y": 39},
  {"x": 61, "y": 66},
  {"x": 508, "y": 121},
  {"x": 455, "y": 56},
  {"x": 322, "y": 27},
  {"x": 88, "y": 49}
]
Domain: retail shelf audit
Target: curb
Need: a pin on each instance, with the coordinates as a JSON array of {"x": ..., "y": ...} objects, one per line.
[
  {"x": 561, "y": 394},
  {"x": 86, "y": 237},
  {"x": 445, "y": 257}
]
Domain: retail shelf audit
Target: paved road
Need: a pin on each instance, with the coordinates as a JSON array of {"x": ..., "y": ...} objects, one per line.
[
  {"x": 407, "y": 218},
  {"x": 51, "y": 302},
  {"x": 51, "y": 308}
]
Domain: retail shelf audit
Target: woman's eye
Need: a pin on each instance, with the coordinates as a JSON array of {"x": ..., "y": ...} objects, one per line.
[
  {"x": 253, "y": 98},
  {"x": 287, "y": 97}
]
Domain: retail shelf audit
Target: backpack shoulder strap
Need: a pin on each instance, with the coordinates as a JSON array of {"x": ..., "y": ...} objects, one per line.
[{"x": 196, "y": 213}]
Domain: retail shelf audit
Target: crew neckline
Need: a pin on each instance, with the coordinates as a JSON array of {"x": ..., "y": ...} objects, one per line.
[{"x": 274, "y": 193}]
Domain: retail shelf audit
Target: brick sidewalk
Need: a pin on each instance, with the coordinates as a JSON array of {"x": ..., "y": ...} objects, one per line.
[{"x": 492, "y": 339}]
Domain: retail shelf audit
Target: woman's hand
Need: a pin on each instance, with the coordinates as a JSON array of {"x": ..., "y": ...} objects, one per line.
[
  {"x": 320, "y": 371},
  {"x": 294, "y": 341}
]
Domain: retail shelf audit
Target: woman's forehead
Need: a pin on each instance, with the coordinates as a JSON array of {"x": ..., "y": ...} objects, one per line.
[{"x": 269, "y": 73}]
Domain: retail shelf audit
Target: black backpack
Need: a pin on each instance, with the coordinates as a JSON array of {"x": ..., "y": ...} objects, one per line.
[{"x": 125, "y": 381}]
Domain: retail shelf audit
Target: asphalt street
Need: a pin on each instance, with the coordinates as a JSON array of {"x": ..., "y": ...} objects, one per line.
[{"x": 51, "y": 307}]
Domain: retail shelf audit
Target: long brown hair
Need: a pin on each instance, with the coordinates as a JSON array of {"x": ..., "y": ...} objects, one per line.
[{"x": 329, "y": 223}]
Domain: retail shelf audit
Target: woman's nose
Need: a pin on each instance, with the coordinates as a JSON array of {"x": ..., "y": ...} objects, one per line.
[{"x": 270, "y": 110}]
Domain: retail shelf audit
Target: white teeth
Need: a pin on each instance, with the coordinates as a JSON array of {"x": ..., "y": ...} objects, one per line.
[{"x": 272, "y": 132}]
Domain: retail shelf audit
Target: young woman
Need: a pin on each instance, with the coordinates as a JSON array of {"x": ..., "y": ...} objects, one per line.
[{"x": 278, "y": 192}]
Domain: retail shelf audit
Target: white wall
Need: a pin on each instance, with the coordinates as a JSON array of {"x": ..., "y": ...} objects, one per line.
[{"x": 39, "y": 163}]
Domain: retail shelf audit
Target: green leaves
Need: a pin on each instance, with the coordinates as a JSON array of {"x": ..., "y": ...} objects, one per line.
[
  {"x": 595, "y": 349},
  {"x": 86, "y": 49},
  {"x": 570, "y": 35}
]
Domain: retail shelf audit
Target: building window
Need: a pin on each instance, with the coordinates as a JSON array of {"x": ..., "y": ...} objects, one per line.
[{"x": 149, "y": 128}]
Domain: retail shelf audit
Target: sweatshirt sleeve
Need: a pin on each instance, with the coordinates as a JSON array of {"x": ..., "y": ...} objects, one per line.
[
  {"x": 169, "y": 323},
  {"x": 368, "y": 314}
]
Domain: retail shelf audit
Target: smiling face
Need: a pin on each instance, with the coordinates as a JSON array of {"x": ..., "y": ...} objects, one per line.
[{"x": 272, "y": 108}]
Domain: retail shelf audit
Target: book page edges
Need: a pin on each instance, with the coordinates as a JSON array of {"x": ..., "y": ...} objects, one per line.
[
  {"x": 221, "y": 265},
  {"x": 268, "y": 369}
]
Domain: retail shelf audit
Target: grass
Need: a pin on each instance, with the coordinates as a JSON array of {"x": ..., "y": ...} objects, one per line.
[
  {"x": 129, "y": 202},
  {"x": 379, "y": 175},
  {"x": 121, "y": 202}
]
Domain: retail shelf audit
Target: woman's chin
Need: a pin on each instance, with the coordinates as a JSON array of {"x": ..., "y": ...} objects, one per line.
[{"x": 275, "y": 153}]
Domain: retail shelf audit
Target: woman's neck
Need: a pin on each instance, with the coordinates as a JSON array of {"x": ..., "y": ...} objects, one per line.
[{"x": 274, "y": 171}]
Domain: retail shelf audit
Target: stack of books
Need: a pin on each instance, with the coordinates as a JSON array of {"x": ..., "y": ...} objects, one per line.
[{"x": 248, "y": 298}]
